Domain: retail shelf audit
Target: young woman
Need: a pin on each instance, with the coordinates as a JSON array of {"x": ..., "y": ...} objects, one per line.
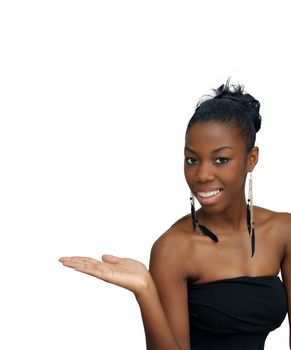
[{"x": 213, "y": 280}]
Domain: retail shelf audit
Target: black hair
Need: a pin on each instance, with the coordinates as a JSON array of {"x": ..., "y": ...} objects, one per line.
[{"x": 230, "y": 105}]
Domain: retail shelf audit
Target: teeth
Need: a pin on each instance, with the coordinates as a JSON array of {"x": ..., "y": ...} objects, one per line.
[{"x": 208, "y": 194}]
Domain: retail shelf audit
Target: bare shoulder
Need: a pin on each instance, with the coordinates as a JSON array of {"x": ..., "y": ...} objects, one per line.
[
  {"x": 277, "y": 222},
  {"x": 173, "y": 246},
  {"x": 175, "y": 238},
  {"x": 283, "y": 223},
  {"x": 283, "y": 219}
]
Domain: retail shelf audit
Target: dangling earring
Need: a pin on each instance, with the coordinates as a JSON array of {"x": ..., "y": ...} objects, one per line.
[
  {"x": 196, "y": 226},
  {"x": 250, "y": 214},
  {"x": 193, "y": 212}
]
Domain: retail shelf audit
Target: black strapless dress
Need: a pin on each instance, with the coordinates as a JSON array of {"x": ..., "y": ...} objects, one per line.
[{"x": 235, "y": 313}]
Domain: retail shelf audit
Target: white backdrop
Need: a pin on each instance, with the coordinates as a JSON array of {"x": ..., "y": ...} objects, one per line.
[{"x": 95, "y": 99}]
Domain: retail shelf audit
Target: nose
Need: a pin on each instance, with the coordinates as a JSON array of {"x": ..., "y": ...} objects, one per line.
[{"x": 204, "y": 172}]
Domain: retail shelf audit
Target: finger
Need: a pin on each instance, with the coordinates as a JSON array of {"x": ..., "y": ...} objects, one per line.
[
  {"x": 88, "y": 265},
  {"x": 83, "y": 263},
  {"x": 78, "y": 259},
  {"x": 70, "y": 263},
  {"x": 110, "y": 259},
  {"x": 62, "y": 259},
  {"x": 69, "y": 258}
]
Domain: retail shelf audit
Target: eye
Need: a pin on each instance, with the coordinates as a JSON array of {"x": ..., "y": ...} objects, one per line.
[
  {"x": 190, "y": 160},
  {"x": 221, "y": 160}
]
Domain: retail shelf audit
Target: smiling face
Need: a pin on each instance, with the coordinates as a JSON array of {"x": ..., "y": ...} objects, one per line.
[{"x": 216, "y": 165}]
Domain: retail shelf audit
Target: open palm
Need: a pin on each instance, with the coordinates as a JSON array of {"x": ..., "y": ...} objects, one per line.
[{"x": 124, "y": 272}]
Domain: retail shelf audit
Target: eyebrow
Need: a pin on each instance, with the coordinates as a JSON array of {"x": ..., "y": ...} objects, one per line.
[{"x": 214, "y": 151}]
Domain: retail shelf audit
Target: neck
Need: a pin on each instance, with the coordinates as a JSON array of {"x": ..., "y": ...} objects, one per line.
[{"x": 232, "y": 219}]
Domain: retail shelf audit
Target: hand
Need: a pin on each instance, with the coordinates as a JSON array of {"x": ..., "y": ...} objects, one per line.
[{"x": 124, "y": 272}]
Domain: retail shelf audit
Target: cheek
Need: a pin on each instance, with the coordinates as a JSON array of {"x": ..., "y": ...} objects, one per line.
[
  {"x": 187, "y": 174},
  {"x": 235, "y": 177}
]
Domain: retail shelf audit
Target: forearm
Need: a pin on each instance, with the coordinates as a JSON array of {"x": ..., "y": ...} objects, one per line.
[{"x": 157, "y": 329}]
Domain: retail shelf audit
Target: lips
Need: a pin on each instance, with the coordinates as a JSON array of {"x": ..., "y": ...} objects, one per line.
[{"x": 208, "y": 196}]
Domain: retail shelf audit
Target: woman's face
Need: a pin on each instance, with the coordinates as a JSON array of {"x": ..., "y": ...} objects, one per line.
[{"x": 216, "y": 164}]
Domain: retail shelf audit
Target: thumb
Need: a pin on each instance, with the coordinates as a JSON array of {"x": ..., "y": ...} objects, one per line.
[{"x": 110, "y": 258}]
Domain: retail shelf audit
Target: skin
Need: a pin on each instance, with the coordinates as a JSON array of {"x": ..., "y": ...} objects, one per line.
[{"x": 215, "y": 158}]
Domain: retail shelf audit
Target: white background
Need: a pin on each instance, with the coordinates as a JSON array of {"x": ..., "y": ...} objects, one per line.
[{"x": 95, "y": 99}]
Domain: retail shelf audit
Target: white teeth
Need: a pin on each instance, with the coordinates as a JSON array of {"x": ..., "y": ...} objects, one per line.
[{"x": 208, "y": 194}]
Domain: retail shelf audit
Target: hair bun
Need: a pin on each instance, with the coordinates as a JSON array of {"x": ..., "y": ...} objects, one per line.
[
  {"x": 236, "y": 93},
  {"x": 257, "y": 117},
  {"x": 253, "y": 107}
]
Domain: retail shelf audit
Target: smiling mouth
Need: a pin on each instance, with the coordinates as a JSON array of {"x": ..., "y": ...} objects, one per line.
[{"x": 209, "y": 194}]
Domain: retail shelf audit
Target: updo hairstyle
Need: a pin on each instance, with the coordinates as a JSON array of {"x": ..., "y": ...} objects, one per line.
[{"x": 230, "y": 105}]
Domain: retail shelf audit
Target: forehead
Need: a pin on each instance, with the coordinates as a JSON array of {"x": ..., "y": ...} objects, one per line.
[{"x": 212, "y": 135}]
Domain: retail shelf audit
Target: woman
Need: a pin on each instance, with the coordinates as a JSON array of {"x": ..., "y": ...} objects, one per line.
[{"x": 212, "y": 282}]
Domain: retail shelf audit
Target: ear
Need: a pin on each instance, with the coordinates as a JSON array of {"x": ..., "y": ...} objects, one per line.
[{"x": 253, "y": 158}]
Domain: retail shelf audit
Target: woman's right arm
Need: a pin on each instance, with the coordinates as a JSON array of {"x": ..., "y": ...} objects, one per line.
[
  {"x": 169, "y": 271},
  {"x": 158, "y": 333},
  {"x": 134, "y": 276}
]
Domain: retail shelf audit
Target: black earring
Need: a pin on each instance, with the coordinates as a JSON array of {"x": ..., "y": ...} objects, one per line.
[
  {"x": 193, "y": 212},
  {"x": 250, "y": 214},
  {"x": 196, "y": 226}
]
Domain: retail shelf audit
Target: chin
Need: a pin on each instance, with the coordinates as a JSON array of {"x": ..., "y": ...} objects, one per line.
[{"x": 212, "y": 209}]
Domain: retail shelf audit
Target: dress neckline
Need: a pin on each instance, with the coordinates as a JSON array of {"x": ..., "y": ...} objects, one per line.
[{"x": 244, "y": 277}]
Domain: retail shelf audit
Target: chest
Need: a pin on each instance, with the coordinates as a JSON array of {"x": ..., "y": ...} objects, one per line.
[{"x": 231, "y": 255}]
